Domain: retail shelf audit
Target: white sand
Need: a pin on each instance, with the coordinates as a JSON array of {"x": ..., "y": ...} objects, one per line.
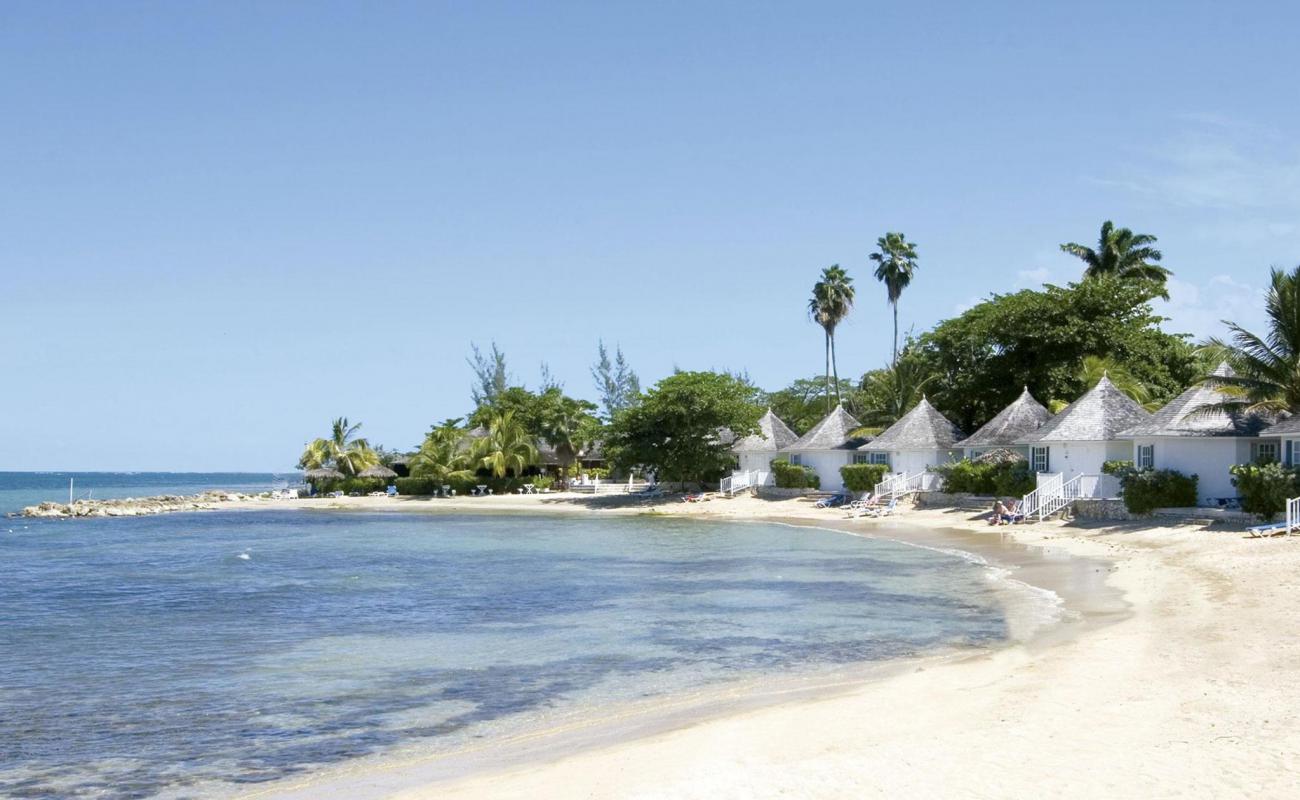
[{"x": 1195, "y": 694}]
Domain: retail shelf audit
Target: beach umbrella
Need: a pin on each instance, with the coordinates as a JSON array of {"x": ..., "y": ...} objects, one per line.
[
  {"x": 324, "y": 474},
  {"x": 378, "y": 471}
]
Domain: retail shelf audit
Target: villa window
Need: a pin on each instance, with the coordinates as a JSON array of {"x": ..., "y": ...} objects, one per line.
[
  {"x": 796, "y": 459},
  {"x": 1265, "y": 452},
  {"x": 1146, "y": 457},
  {"x": 1040, "y": 459},
  {"x": 880, "y": 458},
  {"x": 861, "y": 458}
]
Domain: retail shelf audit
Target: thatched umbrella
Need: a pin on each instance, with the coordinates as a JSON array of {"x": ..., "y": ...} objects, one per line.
[
  {"x": 999, "y": 456},
  {"x": 323, "y": 474},
  {"x": 377, "y": 471}
]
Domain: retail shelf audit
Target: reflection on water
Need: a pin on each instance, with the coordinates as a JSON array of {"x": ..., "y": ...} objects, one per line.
[{"x": 140, "y": 656}]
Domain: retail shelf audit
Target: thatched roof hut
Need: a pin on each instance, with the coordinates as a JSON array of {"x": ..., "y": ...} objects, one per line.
[
  {"x": 377, "y": 471},
  {"x": 323, "y": 474}
]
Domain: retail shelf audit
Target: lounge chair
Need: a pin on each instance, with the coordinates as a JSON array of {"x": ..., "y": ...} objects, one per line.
[
  {"x": 392, "y": 491},
  {"x": 834, "y": 500},
  {"x": 652, "y": 490},
  {"x": 883, "y": 511},
  {"x": 697, "y": 497},
  {"x": 1271, "y": 529},
  {"x": 1013, "y": 514},
  {"x": 859, "y": 507}
]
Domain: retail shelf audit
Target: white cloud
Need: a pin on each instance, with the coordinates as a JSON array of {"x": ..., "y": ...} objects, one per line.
[{"x": 1199, "y": 309}]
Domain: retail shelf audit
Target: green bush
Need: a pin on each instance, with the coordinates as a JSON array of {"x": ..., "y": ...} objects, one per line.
[
  {"x": 862, "y": 477},
  {"x": 416, "y": 487},
  {"x": 595, "y": 472},
  {"x": 1148, "y": 489},
  {"x": 1009, "y": 479},
  {"x": 1117, "y": 468},
  {"x": 1264, "y": 488},
  {"x": 542, "y": 482},
  {"x": 350, "y": 485},
  {"x": 794, "y": 476}
]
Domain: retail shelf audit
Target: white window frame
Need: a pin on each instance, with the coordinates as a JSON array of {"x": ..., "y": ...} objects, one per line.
[
  {"x": 796, "y": 459},
  {"x": 880, "y": 458},
  {"x": 1040, "y": 459},
  {"x": 1265, "y": 450},
  {"x": 861, "y": 458},
  {"x": 1146, "y": 456}
]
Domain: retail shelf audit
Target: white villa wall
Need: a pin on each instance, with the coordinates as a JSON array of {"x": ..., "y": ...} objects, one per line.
[
  {"x": 1208, "y": 458},
  {"x": 756, "y": 460},
  {"x": 1085, "y": 458},
  {"x": 914, "y": 461},
  {"x": 827, "y": 464}
]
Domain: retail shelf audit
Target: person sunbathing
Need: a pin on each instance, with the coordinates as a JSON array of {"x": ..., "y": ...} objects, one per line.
[{"x": 998, "y": 517}]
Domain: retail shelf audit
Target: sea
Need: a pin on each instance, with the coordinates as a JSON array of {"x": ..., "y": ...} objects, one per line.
[
  {"x": 205, "y": 654},
  {"x": 21, "y": 489}
]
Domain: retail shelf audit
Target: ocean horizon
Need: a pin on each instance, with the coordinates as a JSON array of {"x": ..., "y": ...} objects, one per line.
[{"x": 19, "y": 489}]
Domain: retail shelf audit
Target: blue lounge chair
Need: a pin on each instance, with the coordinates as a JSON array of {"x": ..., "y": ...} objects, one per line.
[
  {"x": 832, "y": 501},
  {"x": 392, "y": 491},
  {"x": 1271, "y": 529}
]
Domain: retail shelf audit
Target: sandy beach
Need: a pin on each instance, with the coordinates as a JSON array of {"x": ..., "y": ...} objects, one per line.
[{"x": 1190, "y": 693}]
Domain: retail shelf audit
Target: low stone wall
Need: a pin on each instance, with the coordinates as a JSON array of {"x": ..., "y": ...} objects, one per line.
[
  {"x": 954, "y": 500},
  {"x": 773, "y": 493},
  {"x": 1108, "y": 510}
]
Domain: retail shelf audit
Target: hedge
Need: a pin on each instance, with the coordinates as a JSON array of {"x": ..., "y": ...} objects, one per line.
[
  {"x": 417, "y": 487},
  {"x": 862, "y": 477},
  {"x": 1007, "y": 479},
  {"x": 1265, "y": 488},
  {"x": 794, "y": 476},
  {"x": 350, "y": 485},
  {"x": 1148, "y": 489}
]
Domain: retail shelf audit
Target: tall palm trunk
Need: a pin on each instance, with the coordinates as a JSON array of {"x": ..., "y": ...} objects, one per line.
[
  {"x": 895, "y": 305},
  {"x": 828, "y": 372},
  {"x": 835, "y": 372}
]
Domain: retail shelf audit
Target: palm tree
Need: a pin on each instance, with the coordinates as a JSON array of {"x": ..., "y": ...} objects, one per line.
[
  {"x": 895, "y": 263},
  {"x": 568, "y": 426},
  {"x": 891, "y": 392},
  {"x": 1123, "y": 254},
  {"x": 831, "y": 302},
  {"x": 1094, "y": 368},
  {"x": 507, "y": 448},
  {"x": 343, "y": 450},
  {"x": 1267, "y": 367},
  {"x": 443, "y": 455}
]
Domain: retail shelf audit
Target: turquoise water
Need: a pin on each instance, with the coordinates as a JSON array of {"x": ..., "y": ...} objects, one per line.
[
  {"x": 195, "y": 654},
  {"x": 21, "y": 489}
]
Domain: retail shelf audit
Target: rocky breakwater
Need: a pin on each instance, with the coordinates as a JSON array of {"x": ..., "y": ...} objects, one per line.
[{"x": 138, "y": 507}]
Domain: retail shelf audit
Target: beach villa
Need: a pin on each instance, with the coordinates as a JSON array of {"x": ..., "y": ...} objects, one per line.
[
  {"x": 920, "y": 439},
  {"x": 1183, "y": 436},
  {"x": 827, "y": 446},
  {"x": 1005, "y": 431},
  {"x": 1086, "y": 434},
  {"x": 754, "y": 453}
]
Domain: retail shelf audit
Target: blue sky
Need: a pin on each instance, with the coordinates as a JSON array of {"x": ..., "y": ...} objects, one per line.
[{"x": 223, "y": 224}]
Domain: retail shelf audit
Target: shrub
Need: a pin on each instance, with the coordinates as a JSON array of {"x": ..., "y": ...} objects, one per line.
[
  {"x": 542, "y": 481},
  {"x": 596, "y": 472},
  {"x": 1117, "y": 468},
  {"x": 1011, "y": 478},
  {"x": 794, "y": 476},
  {"x": 862, "y": 477},
  {"x": 1149, "y": 489},
  {"x": 1265, "y": 488},
  {"x": 417, "y": 487}
]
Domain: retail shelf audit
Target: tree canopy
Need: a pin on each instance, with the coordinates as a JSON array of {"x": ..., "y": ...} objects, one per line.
[
  {"x": 675, "y": 428},
  {"x": 1267, "y": 365},
  {"x": 1040, "y": 339}
]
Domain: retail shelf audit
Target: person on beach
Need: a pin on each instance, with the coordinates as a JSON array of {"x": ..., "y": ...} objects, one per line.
[{"x": 999, "y": 513}]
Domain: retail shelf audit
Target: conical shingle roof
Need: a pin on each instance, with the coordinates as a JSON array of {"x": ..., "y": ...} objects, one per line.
[
  {"x": 1099, "y": 416},
  {"x": 1182, "y": 416},
  {"x": 773, "y": 434},
  {"x": 832, "y": 433},
  {"x": 1021, "y": 418},
  {"x": 922, "y": 428}
]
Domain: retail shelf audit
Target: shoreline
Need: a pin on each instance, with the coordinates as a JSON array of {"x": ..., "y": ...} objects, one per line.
[{"x": 1086, "y": 602}]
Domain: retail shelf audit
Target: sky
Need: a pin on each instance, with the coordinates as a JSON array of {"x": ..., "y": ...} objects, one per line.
[{"x": 224, "y": 224}]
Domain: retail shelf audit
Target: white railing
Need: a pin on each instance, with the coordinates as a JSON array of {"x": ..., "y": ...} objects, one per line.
[
  {"x": 900, "y": 484},
  {"x": 1049, "y": 486},
  {"x": 1292, "y": 515},
  {"x": 740, "y": 480}
]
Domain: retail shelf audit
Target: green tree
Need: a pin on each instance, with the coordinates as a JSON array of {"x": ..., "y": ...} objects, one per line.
[
  {"x": 1040, "y": 339},
  {"x": 895, "y": 263},
  {"x": 1094, "y": 368},
  {"x": 490, "y": 375},
  {"x": 1121, "y": 253},
  {"x": 508, "y": 448},
  {"x": 831, "y": 302},
  {"x": 617, "y": 384},
  {"x": 443, "y": 455},
  {"x": 889, "y": 393},
  {"x": 802, "y": 404},
  {"x": 569, "y": 426},
  {"x": 343, "y": 450},
  {"x": 1267, "y": 366},
  {"x": 674, "y": 429}
]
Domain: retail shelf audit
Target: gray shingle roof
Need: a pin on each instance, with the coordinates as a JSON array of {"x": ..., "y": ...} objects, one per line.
[
  {"x": 1180, "y": 418},
  {"x": 832, "y": 433},
  {"x": 773, "y": 434},
  {"x": 1099, "y": 416},
  {"x": 1021, "y": 418},
  {"x": 922, "y": 428}
]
